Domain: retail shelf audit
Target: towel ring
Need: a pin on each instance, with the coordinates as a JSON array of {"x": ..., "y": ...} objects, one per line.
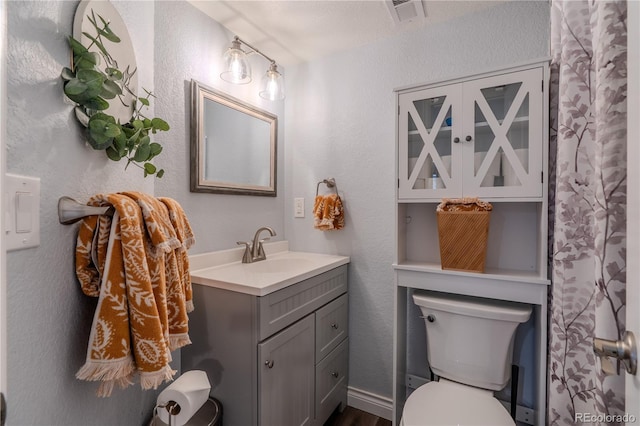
[{"x": 331, "y": 183}]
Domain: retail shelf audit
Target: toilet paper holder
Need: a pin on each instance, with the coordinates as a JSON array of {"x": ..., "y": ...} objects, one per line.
[
  {"x": 624, "y": 350},
  {"x": 172, "y": 407}
]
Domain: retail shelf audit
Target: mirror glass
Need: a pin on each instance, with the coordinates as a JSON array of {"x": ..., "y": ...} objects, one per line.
[{"x": 233, "y": 145}]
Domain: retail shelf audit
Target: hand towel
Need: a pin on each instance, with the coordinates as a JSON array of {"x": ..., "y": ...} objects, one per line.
[
  {"x": 127, "y": 335},
  {"x": 185, "y": 235},
  {"x": 328, "y": 212},
  {"x": 161, "y": 248}
]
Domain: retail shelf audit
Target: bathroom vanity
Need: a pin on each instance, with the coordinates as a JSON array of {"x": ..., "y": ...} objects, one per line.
[{"x": 271, "y": 335}]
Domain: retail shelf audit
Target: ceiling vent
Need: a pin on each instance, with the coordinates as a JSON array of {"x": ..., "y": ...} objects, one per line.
[{"x": 403, "y": 11}]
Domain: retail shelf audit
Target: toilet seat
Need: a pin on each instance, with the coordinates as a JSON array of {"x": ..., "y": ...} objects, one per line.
[{"x": 450, "y": 403}]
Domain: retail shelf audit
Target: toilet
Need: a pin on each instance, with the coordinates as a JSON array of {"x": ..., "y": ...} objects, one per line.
[{"x": 470, "y": 347}]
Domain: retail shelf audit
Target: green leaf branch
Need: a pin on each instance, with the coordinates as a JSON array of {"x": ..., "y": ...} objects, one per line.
[{"x": 91, "y": 88}]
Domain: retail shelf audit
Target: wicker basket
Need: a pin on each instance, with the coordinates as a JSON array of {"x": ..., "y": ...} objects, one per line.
[{"x": 463, "y": 239}]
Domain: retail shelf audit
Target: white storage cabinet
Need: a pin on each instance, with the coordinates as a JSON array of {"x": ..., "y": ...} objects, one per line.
[{"x": 480, "y": 137}]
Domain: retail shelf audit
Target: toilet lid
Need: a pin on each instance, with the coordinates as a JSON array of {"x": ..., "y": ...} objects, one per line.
[{"x": 449, "y": 403}]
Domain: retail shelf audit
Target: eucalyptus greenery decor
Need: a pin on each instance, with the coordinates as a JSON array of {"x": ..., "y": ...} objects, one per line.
[{"x": 92, "y": 88}]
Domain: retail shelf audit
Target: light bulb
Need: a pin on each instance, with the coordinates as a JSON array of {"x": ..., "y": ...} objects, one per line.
[
  {"x": 236, "y": 66},
  {"x": 272, "y": 84}
]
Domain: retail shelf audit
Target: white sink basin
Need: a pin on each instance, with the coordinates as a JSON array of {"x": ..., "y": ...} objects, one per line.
[
  {"x": 281, "y": 269},
  {"x": 288, "y": 262}
]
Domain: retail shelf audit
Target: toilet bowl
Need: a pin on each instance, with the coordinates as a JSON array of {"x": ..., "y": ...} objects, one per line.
[
  {"x": 470, "y": 347},
  {"x": 450, "y": 403}
]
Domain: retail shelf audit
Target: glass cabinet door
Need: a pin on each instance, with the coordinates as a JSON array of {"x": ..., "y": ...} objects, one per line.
[
  {"x": 428, "y": 162},
  {"x": 503, "y": 122}
]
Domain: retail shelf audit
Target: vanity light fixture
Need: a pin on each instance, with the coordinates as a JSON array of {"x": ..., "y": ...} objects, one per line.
[{"x": 238, "y": 71}]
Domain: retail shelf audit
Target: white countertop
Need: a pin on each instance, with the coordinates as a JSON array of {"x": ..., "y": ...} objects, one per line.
[{"x": 224, "y": 269}]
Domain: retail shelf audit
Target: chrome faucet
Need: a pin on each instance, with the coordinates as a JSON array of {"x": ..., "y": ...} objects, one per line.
[{"x": 253, "y": 251}]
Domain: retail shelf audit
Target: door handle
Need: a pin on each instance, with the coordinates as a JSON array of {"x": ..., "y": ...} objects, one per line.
[{"x": 624, "y": 350}]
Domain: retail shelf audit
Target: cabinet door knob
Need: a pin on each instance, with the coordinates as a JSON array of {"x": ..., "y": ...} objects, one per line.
[
  {"x": 334, "y": 326},
  {"x": 335, "y": 374},
  {"x": 468, "y": 138},
  {"x": 269, "y": 363},
  {"x": 456, "y": 140}
]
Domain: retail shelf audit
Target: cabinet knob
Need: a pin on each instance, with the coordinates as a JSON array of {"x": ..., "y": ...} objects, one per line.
[
  {"x": 269, "y": 363},
  {"x": 468, "y": 138},
  {"x": 430, "y": 317},
  {"x": 334, "y": 326},
  {"x": 335, "y": 374},
  {"x": 456, "y": 140}
]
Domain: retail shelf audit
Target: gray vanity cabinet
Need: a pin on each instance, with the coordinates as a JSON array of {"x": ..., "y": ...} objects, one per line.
[{"x": 275, "y": 360}]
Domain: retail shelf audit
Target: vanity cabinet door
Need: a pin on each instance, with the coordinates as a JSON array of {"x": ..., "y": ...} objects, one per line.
[{"x": 286, "y": 376}]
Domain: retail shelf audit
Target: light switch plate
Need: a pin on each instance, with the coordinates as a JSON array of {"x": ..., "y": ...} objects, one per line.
[
  {"x": 22, "y": 214},
  {"x": 298, "y": 207}
]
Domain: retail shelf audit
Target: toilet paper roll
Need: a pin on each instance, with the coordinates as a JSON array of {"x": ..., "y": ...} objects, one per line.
[
  {"x": 510, "y": 177},
  {"x": 493, "y": 171},
  {"x": 190, "y": 391},
  {"x": 422, "y": 175},
  {"x": 424, "y": 172},
  {"x": 446, "y": 160}
]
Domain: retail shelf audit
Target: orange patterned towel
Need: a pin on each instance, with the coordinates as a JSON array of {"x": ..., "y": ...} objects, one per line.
[
  {"x": 163, "y": 248},
  {"x": 185, "y": 235},
  {"x": 128, "y": 263},
  {"x": 328, "y": 212}
]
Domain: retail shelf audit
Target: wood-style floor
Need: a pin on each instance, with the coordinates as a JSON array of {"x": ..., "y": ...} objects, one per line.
[{"x": 354, "y": 417}]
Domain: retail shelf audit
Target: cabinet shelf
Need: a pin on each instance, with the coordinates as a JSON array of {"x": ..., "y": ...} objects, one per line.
[
  {"x": 518, "y": 122},
  {"x": 531, "y": 277}
]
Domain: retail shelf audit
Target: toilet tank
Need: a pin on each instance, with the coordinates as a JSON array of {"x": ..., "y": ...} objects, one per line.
[{"x": 470, "y": 339}]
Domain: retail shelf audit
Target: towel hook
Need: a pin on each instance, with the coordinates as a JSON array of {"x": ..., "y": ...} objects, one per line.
[
  {"x": 70, "y": 211},
  {"x": 331, "y": 183}
]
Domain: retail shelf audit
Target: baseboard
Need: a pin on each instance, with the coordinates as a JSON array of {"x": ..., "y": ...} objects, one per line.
[{"x": 380, "y": 406}]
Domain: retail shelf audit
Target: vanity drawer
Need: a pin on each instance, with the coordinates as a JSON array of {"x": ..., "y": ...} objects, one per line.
[
  {"x": 284, "y": 307},
  {"x": 332, "y": 326},
  {"x": 331, "y": 382}
]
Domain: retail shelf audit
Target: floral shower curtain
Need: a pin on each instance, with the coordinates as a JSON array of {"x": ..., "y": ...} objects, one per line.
[{"x": 588, "y": 201}]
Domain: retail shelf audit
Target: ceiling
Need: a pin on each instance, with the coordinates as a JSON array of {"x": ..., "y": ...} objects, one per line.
[{"x": 293, "y": 31}]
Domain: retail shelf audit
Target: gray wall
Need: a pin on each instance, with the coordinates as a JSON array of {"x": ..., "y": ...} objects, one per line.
[{"x": 341, "y": 109}]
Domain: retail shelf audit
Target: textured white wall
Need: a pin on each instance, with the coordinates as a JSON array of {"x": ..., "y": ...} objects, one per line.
[
  {"x": 188, "y": 46},
  {"x": 48, "y": 317},
  {"x": 341, "y": 123}
]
